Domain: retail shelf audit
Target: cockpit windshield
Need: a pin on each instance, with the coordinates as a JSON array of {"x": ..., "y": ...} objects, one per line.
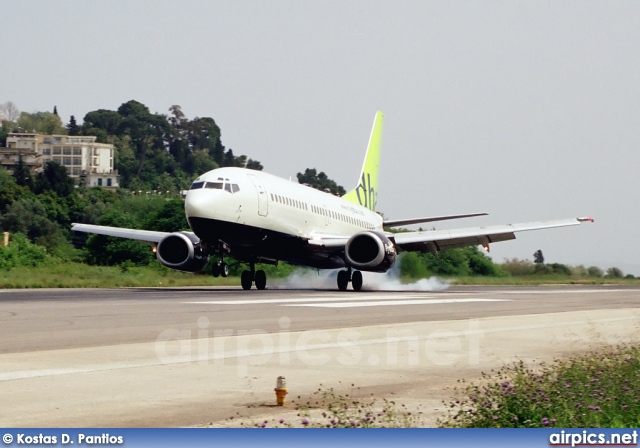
[{"x": 219, "y": 184}]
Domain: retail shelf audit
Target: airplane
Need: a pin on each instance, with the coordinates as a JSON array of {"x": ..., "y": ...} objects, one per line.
[{"x": 256, "y": 217}]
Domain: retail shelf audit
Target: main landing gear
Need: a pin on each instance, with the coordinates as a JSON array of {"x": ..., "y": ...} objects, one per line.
[
  {"x": 346, "y": 276},
  {"x": 248, "y": 277}
]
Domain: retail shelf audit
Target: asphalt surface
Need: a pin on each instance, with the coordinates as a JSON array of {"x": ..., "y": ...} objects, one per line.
[{"x": 183, "y": 357}]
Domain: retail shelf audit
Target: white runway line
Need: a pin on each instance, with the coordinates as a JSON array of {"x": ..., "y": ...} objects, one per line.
[
  {"x": 395, "y": 302},
  {"x": 359, "y": 297}
]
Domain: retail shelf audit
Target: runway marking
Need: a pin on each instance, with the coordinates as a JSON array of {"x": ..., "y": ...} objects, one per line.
[
  {"x": 395, "y": 302},
  {"x": 352, "y": 302},
  {"x": 360, "y": 297}
]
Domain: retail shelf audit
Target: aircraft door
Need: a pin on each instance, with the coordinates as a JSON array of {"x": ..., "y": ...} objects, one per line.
[{"x": 263, "y": 201}]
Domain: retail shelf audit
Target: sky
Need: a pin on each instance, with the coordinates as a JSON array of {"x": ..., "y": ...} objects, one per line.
[{"x": 526, "y": 110}]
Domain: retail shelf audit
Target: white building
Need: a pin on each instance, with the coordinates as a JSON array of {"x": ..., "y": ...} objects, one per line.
[{"x": 86, "y": 160}]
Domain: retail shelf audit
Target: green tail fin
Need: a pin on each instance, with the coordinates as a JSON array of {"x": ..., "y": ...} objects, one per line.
[{"x": 366, "y": 191}]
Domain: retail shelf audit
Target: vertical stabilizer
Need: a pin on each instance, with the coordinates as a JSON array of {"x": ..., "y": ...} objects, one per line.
[{"x": 366, "y": 191}]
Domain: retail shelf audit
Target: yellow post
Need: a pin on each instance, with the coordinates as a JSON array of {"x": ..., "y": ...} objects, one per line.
[
  {"x": 6, "y": 238},
  {"x": 281, "y": 390}
]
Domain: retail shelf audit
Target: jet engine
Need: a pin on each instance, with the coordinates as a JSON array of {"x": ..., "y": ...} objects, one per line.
[
  {"x": 182, "y": 251},
  {"x": 370, "y": 251}
]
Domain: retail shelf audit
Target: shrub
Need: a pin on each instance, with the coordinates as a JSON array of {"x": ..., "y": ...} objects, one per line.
[
  {"x": 595, "y": 271},
  {"x": 614, "y": 273},
  {"x": 600, "y": 389},
  {"x": 515, "y": 266}
]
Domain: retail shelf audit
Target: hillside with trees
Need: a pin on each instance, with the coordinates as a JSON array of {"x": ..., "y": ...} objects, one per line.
[{"x": 158, "y": 155}]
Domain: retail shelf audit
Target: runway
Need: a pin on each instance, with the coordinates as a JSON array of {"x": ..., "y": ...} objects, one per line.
[{"x": 181, "y": 357}]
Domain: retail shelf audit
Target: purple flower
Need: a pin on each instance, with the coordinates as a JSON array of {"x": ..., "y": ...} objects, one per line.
[
  {"x": 281, "y": 421},
  {"x": 545, "y": 421},
  {"x": 567, "y": 384},
  {"x": 305, "y": 422}
]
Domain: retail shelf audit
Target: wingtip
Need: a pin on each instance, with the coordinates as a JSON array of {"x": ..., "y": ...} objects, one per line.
[{"x": 585, "y": 219}]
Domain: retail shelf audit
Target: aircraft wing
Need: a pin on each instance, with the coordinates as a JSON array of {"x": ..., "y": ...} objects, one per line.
[
  {"x": 436, "y": 240},
  {"x": 406, "y": 222},
  {"x": 150, "y": 236}
]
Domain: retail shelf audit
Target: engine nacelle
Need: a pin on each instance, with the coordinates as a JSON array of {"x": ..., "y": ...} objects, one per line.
[
  {"x": 182, "y": 251},
  {"x": 370, "y": 251}
]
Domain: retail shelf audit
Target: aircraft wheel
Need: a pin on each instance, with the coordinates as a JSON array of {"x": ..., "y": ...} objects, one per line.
[
  {"x": 343, "y": 280},
  {"x": 224, "y": 269},
  {"x": 356, "y": 280},
  {"x": 246, "y": 280},
  {"x": 215, "y": 269},
  {"x": 261, "y": 279}
]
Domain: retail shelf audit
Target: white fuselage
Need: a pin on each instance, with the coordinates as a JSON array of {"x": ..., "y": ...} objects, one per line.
[{"x": 268, "y": 202}]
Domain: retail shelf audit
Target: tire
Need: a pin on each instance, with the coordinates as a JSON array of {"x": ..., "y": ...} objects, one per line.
[
  {"x": 356, "y": 280},
  {"x": 215, "y": 269},
  {"x": 261, "y": 280},
  {"x": 343, "y": 280},
  {"x": 245, "y": 280},
  {"x": 224, "y": 269}
]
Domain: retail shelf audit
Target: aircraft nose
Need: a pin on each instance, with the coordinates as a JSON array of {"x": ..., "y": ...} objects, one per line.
[{"x": 195, "y": 204}]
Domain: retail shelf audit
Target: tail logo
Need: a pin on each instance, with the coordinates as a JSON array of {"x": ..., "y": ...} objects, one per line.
[{"x": 367, "y": 195}]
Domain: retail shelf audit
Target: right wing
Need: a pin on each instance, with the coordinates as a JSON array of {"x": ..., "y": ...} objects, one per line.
[
  {"x": 436, "y": 240},
  {"x": 150, "y": 236},
  {"x": 406, "y": 222}
]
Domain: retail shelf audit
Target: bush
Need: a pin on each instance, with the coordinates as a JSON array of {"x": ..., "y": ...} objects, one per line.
[
  {"x": 614, "y": 273},
  {"x": 516, "y": 267},
  {"x": 595, "y": 271},
  {"x": 21, "y": 252},
  {"x": 600, "y": 389},
  {"x": 561, "y": 269}
]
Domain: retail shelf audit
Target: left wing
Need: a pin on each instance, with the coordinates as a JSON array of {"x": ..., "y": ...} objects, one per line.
[
  {"x": 436, "y": 240},
  {"x": 150, "y": 236}
]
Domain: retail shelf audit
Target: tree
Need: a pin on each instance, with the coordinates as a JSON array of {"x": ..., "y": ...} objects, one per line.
[
  {"x": 9, "y": 112},
  {"x": 103, "y": 119},
  {"x": 72, "y": 127},
  {"x": 144, "y": 128},
  {"x": 537, "y": 257},
  {"x": 54, "y": 178},
  {"x": 320, "y": 181},
  {"x": 22, "y": 174},
  {"x": 41, "y": 122}
]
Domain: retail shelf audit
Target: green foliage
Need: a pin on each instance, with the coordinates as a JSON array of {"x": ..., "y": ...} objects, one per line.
[
  {"x": 29, "y": 217},
  {"x": 413, "y": 266},
  {"x": 41, "y": 122},
  {"x": 515, "y": 266},
  {"x": 20, "y": 252},
  {"x": 600, "y": 389},
  {"x": 54, "y": 178},
  {"x": 110, "y": 251},
  {"x": 614, "y": 273},
  {"x": 595, "y": 271},
  {"x": 320, "y": 181}
]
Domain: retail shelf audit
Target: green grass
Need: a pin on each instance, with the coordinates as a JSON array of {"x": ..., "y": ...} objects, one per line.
[
  {"x": 66, "y": 274},
  {"x": 78, "y": 275},
  {"x": 549, "y": 279},
  {"x": 599, "y": 389}
]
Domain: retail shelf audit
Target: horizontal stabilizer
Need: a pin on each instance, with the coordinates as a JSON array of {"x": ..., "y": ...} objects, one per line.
[{"x": 406, "y": 222}]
